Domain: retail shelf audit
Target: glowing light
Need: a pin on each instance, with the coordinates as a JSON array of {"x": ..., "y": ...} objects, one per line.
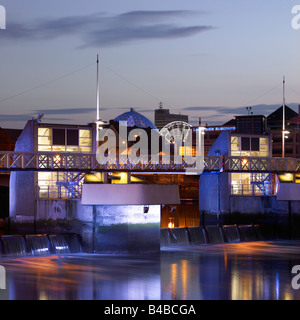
[
  {"x": 57, "y": 158},
  {"x": 244, "y": 162},
  {"x": 171, "y": 225}
]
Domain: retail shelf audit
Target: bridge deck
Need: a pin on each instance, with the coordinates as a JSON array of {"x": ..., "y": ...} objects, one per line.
[{"x": 79, "y": 162}]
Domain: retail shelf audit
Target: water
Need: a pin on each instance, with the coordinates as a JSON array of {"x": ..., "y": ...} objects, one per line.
[
  {"x": 14, "y": 246},
  {"x": 38, "y": 245},
  {"x": 243, "y": 270}
]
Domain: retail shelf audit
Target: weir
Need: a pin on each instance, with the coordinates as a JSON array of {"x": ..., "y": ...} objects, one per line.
[
  {"x": 209, "y": 235},
  {"x": 44, "y": 244},
  {"x": 38, "y": 245}
]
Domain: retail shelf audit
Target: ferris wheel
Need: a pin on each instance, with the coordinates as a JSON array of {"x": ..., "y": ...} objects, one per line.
[{"x": 175, "y": 131}]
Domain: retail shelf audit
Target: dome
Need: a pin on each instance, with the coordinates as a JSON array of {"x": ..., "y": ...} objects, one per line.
[{"x": 135, "y": 119}]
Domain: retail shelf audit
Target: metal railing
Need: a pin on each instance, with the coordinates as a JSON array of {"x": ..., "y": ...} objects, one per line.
[{"x": 51, "y": 161}]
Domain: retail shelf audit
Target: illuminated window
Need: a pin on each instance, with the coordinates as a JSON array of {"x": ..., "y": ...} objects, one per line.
[
  {"x": 249, "y": 146},
  {"x": 187, "y": 151},
  {"x": 44, "y": 139},
  {"x": 64, "y": 140}
]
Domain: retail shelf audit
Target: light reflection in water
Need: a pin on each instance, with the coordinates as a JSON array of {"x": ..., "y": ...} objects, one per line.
[
  {"x": 257, "y": 270},
  {"x": 243, "y": 271}
]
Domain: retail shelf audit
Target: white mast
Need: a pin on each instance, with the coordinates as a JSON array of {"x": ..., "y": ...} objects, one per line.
[
  {"x": 283, "y": 119},
  {"x": 98, "y": 98}
]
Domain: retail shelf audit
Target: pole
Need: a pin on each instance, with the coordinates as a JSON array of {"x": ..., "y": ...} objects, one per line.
[
  {"x": 283, "y": 119},
  {"x": 98, "y": 100}
]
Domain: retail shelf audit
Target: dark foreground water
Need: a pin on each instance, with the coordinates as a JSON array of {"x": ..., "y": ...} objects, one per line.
[{"x": 249, "y": 270}]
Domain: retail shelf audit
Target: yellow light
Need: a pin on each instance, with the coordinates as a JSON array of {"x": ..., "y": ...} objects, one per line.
[
  {"x": 244, "y": 162},
  {"x": 286, "y": 177},
  {"x": 57, "y": 158},
  {"x": 171, "y": 225}
]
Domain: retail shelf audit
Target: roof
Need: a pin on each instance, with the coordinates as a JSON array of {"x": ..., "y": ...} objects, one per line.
[
  {"x": 135, "y": 119},
  {"x": 274, "y": 120}
]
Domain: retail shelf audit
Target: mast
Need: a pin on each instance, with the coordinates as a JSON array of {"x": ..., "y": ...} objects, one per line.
[
  {"x": 283, "y": 119},
  {"x": 98, "y": 98}
]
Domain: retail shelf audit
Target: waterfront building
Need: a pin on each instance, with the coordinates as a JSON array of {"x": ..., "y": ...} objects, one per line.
[
  {"x": 292, "y": 138},
  {"x": 113, "y": 212},
  {"x": 225, "y": 192}
]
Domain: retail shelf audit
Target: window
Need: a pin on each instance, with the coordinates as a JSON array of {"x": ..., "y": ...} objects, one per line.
[
  {"x": 245, "y": 144},
  {"x": 249, "y": 146},
  {"x": 58, "y": 137},
  {"x": 64, "y": 140},
  {"x": 254, "y": 144},
  {"x": 72, "y": 137}
]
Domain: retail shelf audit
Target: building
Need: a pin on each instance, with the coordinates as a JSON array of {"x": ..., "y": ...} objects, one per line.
[
  {"x": 8, "y": 138},
  {"x": 163, "y": 117},
  {"x": 292, "y": 138},
  {"x": 224, "y": 192},
  {"x": 113, "y": 212},
  {"x": 211, "y": 133}
]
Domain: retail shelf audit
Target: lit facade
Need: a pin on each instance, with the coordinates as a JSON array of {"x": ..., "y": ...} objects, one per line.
[
  {"x": 256, "y": 184},
  {"x": 226, "y": 192},
  {"x": 62, "y": 139}
]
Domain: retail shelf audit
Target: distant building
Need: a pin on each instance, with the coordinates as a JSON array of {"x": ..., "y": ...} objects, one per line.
[
  {"x": 251, "y": 124},
  {"x": 292, "y": 140},
  {"x": 211, "y": 133},
  {"x": 8, "y": 138},
  {"x": 163, "y": 116}
]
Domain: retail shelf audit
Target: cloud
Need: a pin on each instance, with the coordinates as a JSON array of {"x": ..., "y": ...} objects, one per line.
[
  {"x": 26, "y": 117},
  {"x": 102, "y": 30},
  {"x": 259, "y": 109},
  {"x": 70, "y": 111},
  {"x": 15, "y": 117}
]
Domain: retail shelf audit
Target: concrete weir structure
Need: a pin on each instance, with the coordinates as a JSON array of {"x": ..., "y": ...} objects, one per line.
[{"x": 126, "y": 217}]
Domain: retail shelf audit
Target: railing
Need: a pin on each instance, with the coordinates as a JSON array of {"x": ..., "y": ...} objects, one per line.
[{"x": 50, "y": 161}]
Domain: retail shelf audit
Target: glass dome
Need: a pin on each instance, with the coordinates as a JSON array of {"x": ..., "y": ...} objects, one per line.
[{"x": 135, "y": 119}]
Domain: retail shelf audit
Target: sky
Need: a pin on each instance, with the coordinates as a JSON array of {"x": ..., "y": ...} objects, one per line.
[{"x": 208, "y": 59}]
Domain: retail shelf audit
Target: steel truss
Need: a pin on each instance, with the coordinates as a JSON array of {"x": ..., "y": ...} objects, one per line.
[{"x": 79, "y": 162}]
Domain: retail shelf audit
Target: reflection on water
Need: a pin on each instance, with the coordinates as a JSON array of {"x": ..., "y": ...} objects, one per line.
[
  {"x": 257, "y": 270},
  {"x": 243, "y": 271},
  {"x": 83, "y": 276}
]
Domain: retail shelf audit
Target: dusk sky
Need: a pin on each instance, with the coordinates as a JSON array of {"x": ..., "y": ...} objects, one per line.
[{"x": 207, "y": 59}]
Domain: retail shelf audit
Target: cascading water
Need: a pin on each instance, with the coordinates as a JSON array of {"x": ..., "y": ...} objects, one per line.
[
  {"x": 213, "y": 234},
  {"x": 231, "y": 233},
  {"x": 38, "y": 245},
  {"x": 14, "y": 246},
  {"x": 247, "y": 233},
  {"x": 59, "y": 243},
  {"x": 197, "y": 235}
]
